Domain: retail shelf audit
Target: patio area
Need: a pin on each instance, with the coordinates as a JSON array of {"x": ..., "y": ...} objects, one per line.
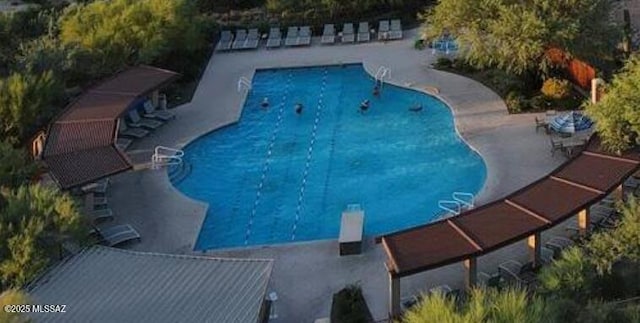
[{"x": 305, "y": 275}]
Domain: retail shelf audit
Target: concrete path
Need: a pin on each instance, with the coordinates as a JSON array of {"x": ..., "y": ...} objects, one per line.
[{"x": 307, "y": 274}]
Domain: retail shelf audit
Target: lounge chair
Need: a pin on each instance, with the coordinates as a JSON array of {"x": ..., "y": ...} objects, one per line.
[
  {"x": 100, "y": 186},
  {"x": 123, "y": 143},
  {"x": 347, "y": 33},
  {"x": 304, "y": 36},
  {"x": 383, "y": 30},
  {"x": 395, "y": 29},
  {"x": 556, "y": 144},
  {"x": 547, "y": 255},
  {"x": 328, "y": 34},
  {"x": 225, "y": 42},
  {"x": 542, "y": 123},
  {"x": 516, "y": 272},
  {"x": 275, "y": 38},
  {"x": 489, "y": 280},
  {"x": 124, "y": 130},
  {"x": 151, "y": 112},
  {"x": 240, "y": 40},
  {"x": 364, "y": 35},
  {"x": 117, "y": 234},
  {"x": 292, "y": 36},
  {"x": 101, "y": 214},
  {"x": 252, "y": 39},
  {"x": 558, "y": 244},
  {"x": 138, "y": 122}
]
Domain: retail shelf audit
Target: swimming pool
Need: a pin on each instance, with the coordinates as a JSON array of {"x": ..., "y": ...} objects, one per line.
[{"x": 277, "y": 177}]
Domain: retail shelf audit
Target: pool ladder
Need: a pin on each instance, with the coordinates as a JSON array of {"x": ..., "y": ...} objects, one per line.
[
  {"x": 244, "y": 82},
  {"x": 165, "y": 156},
  {"x": 460, "y": 201},
  {"x": 381, "y": 74}
]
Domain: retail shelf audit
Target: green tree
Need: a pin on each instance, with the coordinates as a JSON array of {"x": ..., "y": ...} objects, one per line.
[
  {"x": 513, "y": 35},
  {"x": 26, "y": 103},
  {"x": 617, "y": 114},
  {"x": 34, "y": 220},
  {"x": 121, "y": 32},
  {"x": 16, "y": 168}
]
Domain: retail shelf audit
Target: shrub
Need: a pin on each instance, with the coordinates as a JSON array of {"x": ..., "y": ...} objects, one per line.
[
  {"x": 419, "y": 44},
  {"x": 555, "y": 88},
  {"x": 516, "y": 102},
  {"x": 349, "y": 306},
  {"x": 539, "y": 103},
  {"x": 15, "y": 166}
]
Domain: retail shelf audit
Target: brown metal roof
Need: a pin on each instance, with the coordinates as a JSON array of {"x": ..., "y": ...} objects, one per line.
[
  {"x": 572, "y": 187},
  {"x": 80, "y": 144}
]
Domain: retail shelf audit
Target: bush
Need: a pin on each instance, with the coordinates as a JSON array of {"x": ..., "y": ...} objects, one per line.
[
  {"x": 349, "y": 306},
  {"x": 516, "y": 102},
  {"x": 419, "y": 44},
  {"x": 539, "y": 103},
  {"x": 555, "y": 88},
  {"x": 16, "y": 167}
]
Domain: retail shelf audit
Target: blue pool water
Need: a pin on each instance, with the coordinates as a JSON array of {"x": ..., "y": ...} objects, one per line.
[{"x": 277, "y": 177}]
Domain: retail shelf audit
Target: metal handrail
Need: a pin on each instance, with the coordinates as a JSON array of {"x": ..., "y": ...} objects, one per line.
[
  {"x": 445, "y": 205},
  {"x": 166, "y": 156},
  {"x": 243, "y": 81},
  {"x": 464, "y": 198}
]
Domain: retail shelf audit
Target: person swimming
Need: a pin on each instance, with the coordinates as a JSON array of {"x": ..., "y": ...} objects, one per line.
[
  {"x": 298, "y": 108},
  {"x": 364, "y": 106},
  {"x": 265, "y": 102},
  {"x": 416, "y": 108},
  {"x": 376, "y": 90}
]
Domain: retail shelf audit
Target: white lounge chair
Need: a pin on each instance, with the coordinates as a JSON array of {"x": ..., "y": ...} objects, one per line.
[
  {"x": 347, "y": 33},
  {"x": 275, "y": 38},
  {"x": 139, "y": 122},
  {"x": 151, "y": 112},
  {"x": 225, "y": 42},
  {"x": 328, "y": 34},
  {"x": 124, "y": 130},
  {"x": 304, "y": 36},
  {"x": 395, "y": 29},
  {"x": 364, "y": 35},
  {"x": 117, "y": 234},
  {"x": 253, "y": 39},
  {"x": 100, "y": 186},
  {"x": 383, "y": 30},
  {"x": 240, "y": 40},
  {"x": 101, "y": 214},
  {"x": 292, "y": 36}
]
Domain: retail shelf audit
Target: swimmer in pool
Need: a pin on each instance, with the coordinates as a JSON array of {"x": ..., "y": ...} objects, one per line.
[
  {"x": 416, "y": 108},
  {"x": 298, "y": 108},
  {"x": 265, "y": 102},
  {"x": 364, "y": 106}
]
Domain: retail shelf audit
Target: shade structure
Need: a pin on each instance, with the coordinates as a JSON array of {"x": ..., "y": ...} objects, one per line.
[{"x": 571, "y": 122}]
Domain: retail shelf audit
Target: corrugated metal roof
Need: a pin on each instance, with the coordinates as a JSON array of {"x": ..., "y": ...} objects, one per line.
[{"x": 103, "y": 284}]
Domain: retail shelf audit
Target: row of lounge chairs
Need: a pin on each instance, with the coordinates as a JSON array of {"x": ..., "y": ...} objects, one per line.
[
  {"x": 139, "y": 125},
  {"x": 97, "y": 209},
  {"x": 242, "y": 39},
  {"x": 301, "y": 36}
]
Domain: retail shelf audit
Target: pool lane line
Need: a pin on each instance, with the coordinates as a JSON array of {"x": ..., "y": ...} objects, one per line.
[
  {"x": 307, "y": 165},
  {"x": 265, "y": 167}
]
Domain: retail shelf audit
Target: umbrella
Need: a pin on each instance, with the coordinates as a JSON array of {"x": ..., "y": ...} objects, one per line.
[{"x": 571, "y": 122}]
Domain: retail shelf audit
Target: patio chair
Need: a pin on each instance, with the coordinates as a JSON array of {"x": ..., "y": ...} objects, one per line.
[
  {"x": 117, "y": 234},
  {"x": 347, "y": 33},
  {"x": 152, "y": 113},
  {"x": 304, "y": 37},
  {"x": 547, "y": 255},
  {"x": 139, "y": 122},
  {"x": 518, "y": 273},
  {"x": 395, "y": 29},
  {"x": 123, "y": 143},
  {"x": 225, "y": 42},
  {"x": 275, "y": 38},
  {"x": 253, "y": 39},
  {"x": 124, "y": 130},
  {"x": 328, "y": 34},
  {"x": 364, "y": 35},
  {"x": 542, "y": 123},
  {"x": 292, "y": 36},
  {"x": 240, "y": 40},
  {"x": 383, "y": 30},
  {"x": 489, "y": 280}
]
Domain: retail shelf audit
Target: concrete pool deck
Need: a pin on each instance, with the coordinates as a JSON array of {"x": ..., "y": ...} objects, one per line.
[{"x": 306, "y": 274}]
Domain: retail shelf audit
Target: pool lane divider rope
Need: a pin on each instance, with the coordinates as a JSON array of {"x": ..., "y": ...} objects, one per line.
[
  {"x": 267, "y": 161},
  {"x": 307, "y": 165}
]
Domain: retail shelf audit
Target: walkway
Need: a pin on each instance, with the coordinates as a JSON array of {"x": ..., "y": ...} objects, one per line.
[{"x": 306, "y": 274}]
